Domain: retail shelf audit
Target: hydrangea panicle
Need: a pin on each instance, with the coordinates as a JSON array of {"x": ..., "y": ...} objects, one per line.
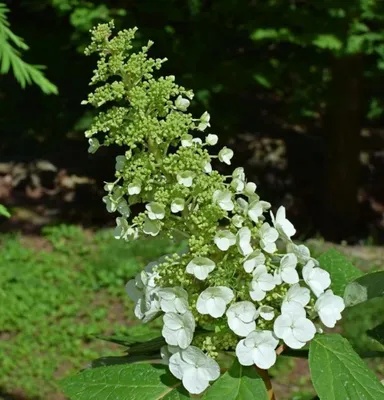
[{"x": 234, "y": 288}]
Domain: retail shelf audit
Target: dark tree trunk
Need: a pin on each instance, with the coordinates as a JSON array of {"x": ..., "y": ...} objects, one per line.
[{"x": 342, "y": 131}]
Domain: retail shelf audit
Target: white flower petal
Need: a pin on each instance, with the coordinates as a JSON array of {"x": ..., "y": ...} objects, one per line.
[
  {"x": 243, "y": 239},
  {"x": 177, "y": 205},
  {"x": 243, "y": 354},
  {"x": 225, "y": 155},
  {"x": 266, "y": 312},
  {"x": 200, "y": 267},
  {"x": 224, "y": 239},
  {"x": 211, "y": 139}
]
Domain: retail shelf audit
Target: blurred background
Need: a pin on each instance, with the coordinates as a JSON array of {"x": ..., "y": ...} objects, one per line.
[{"x": 295, "y": 87}]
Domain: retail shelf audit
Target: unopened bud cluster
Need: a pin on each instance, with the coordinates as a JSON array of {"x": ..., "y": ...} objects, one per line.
[{"x": 242, "y": 285}]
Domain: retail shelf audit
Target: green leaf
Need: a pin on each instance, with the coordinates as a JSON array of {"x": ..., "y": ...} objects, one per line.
[
  {"x": 238, "y": 383},
  {"x": 136, "y": 344},
  {"x": 328, "y": 41},
  {"x": 338, "y": 372},
  {"x": 340, "y": 268},
  {"x": 377, "y": 333},
  {"x": 124, "y": 382},
  {"x": 262, "y": 80},
  {"x": 4, "y": 212},
  {"x": 364, "y": 288},
  {"x": 117, "y": 360}
]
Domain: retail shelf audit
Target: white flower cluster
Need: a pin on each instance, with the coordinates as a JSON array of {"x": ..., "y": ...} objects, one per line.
[{"x": 285, "y": 291}]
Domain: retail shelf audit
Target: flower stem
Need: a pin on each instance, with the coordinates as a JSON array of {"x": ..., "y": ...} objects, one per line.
[{"x": 267, "y": 381}]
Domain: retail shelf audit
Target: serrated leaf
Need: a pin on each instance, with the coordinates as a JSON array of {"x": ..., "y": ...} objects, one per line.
[
  {"x": 340, "y": 268},
  {"x": 337, "y": 372},
  {"x": 238, "y": 383},
  {"x": 377, "y": 333},
  {"x": 124, "y": 382},
  {"x": 364, "y": 288}
]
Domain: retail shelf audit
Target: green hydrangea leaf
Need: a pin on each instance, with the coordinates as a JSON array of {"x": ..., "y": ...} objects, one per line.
[
  {"x": 238, "y": 383},
  {"x": 337, "y": 372},
  {"x": 364, "y": 288},
  {"x": 124, "y": 382},
  {"x": 340, "y": 268}
]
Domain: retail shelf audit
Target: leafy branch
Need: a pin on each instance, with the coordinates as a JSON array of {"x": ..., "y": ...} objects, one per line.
[{"x": 10, "y": 58}]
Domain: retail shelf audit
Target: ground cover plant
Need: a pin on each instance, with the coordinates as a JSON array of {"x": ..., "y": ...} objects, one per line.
[
  {"x": 57, "y": 292},
  {"x": 242, "y": 292}
]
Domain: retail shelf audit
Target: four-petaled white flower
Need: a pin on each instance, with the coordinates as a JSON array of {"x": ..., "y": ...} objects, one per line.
[
  {"x": 223, "y": 199},
  {"x": 173, "y": 299},
  {"x": 224, "y": 239},
  {"x": 268, "y": 237},
  {"x": 151, "y": 227},
  {"x": 243, "y": 241},
  {"x": 293, "y": 327},
  {"x": 177, "y": 205},
  {"x": 241, "y": 317},
  {"x": 185, "y": 178},
  {"x": 186, "y": 140},
  {"x": 283, "y": 226},
  {"x": 253, "y": 260},
  {"x": 94, "y": 145},
  {"x": 262, "y": 282},
  {"x": 178, "y": 329},
  {"x": 225, "y": 155},
  {"x": 134, "y": 187},
  {"x": 155, "y": 210},
  {"x": 204, "y": 122},
  {"x": 316, "y": 278},
  {"x": 329, "y": 308},
  {"x": 181, "y": 103},
  {"x": 211, "y": 139},
  {"x": 194, "y": 368},
  {"x": 256, "y": 209},
  {"x": 214, "y": 301},
  {"x": 298, "y": 294},
  {"x": 200, "y": 267},
  {"x": 258, "y": 348},
  {"x": 287, "y": 269},
  {"x": 266, "y": 312}
]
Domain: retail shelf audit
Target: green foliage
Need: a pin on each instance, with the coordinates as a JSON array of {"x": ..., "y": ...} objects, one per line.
[
  {"x": 55, "y": 300},
  {"x": 26, "y": 74},
  {"x": 238, "y": 383},
  {"x": 4, "y": 212},
  {"x": 340, "y": 268},
  {"x": 338, "y": 373},
  {"x": 364, "y": 288},
  {"x": 359, "y": 320},
  {"x": 138, "y": 381},
  {"x": 377, "y": 333}
]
